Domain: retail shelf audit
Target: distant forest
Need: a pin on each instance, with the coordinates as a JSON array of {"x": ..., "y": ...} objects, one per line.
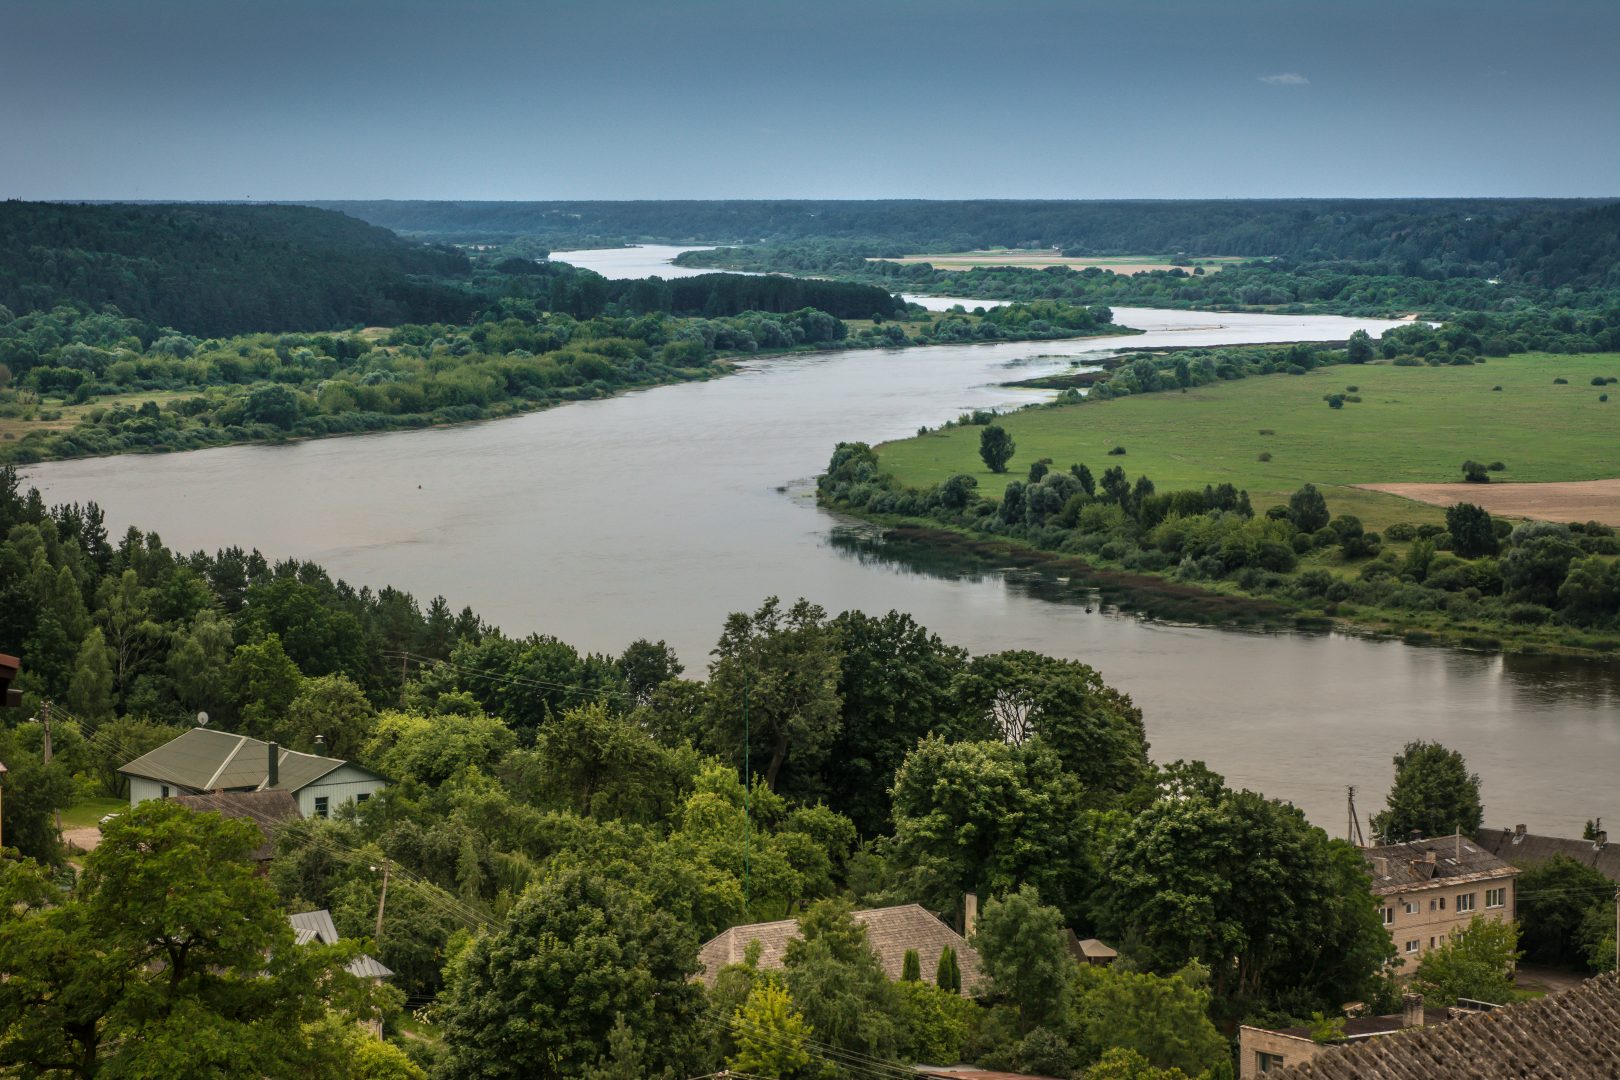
[
  {"x": 214, "y": 270},
  {"x": 1547, "y": 241}
]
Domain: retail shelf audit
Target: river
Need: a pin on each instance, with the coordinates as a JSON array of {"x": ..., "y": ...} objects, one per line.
[{"x": 656, "y": 513}]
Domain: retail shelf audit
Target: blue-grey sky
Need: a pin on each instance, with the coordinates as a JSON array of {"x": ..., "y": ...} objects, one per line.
[{"x": 620, "y": 99}]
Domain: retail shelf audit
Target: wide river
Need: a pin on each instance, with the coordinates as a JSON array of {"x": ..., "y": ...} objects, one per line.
[{"x": 656, "y": 513}]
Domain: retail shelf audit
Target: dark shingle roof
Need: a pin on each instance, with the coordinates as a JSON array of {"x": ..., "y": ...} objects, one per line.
[
  {"x": 205, "y": 760},
  {"x": 890, "y": 930},
  {"x": 1457, "y": 861},
  {"x": 1528, "y": 850},
  {"x": 1574, "y": 1035},
  {"x": 266, "y": 809}
]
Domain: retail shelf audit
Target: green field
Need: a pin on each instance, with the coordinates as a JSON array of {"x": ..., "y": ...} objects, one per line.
[
  {"x": 1413, "y": 424},
  {"x": 84, "y": 814}
]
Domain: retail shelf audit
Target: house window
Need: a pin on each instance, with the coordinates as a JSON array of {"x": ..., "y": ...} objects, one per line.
[
  {"x": 320, "y": 806},
  {"x": 1465, "y": 901},
  {"x": 165, "y": 791},
  {"x": 1412, "y": 946},
  {"x": 1411, "y": 907},
  {"x": 362, "y": 797},
  {"x": 1495, "y": 898},
  {"x": 1389, "y": 916},
  {"x": 1264, "y": 1062},
  {"x": 1437, "y": 905}
]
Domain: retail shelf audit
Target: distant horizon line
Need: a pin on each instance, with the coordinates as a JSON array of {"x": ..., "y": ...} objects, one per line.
[{"x": 304, "y": 201}]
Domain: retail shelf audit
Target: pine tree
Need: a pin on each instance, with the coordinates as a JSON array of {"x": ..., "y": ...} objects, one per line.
[
  {"x": 89, "y": 695},
  {"x": 948, "y": 974},
  {"x": 911, "y": 967}
]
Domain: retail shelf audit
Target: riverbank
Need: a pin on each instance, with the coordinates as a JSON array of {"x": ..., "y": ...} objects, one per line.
[
  {"x": 1253, "y": 487},
  {"x": 274, "y": 389}
]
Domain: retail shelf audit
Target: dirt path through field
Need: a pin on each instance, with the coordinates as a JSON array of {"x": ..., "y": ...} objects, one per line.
[{"x": 1584, "y": 500}]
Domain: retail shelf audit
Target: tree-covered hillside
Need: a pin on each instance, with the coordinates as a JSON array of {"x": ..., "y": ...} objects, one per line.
[
  {"x": 1548, "y": 241},
  {"x": 218, "y": 269}
]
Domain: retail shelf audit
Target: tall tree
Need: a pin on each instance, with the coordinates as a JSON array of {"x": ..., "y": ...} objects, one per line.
[
  {"x": 1434, "y": 794},
  {"x": 90, "y": 694},
  {"x": 774, "y": 685},
  {"x": 996, "y": 447},
  {"x": 1307, "y": 509},
  {"x": 1471, "y": 529},
  {"x": 987, "y": 817},
  {"x": 1553, "y": 901},
  {"x": 1021, "y": 943},
  {"x": 1476, "y": 963},
  {"x": 539, "y": 997},
  {"x": 1248, "y": 888},
  {"x": 896, "y": 682},
  {"x": 836, "y": 979},
  {"x": 771, "y": 1035},
  {"x": 1095, "y": 729},
  {"x": 169, "y": 957}
]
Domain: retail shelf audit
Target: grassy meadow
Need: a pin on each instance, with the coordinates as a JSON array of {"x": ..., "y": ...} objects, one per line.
[
  {"x": 1040, "y": 259},
  {"x": 1415, "y": 424}
]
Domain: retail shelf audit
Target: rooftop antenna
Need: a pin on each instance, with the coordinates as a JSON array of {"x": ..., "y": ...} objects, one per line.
[{"x": 1352, "y": 832}]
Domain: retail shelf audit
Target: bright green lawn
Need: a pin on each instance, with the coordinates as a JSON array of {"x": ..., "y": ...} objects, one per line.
[
  {"x": 87, "y": 813},
  {"x": 1412, "y": 424}
]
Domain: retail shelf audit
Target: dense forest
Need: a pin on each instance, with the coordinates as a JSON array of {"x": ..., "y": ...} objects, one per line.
[
  {"x": 1549, "y": 242},
  {"x": 214, "y": 269}
]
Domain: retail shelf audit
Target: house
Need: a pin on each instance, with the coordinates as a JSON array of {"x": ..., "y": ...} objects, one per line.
[
  {"x": 1526, "y": 851},
  {"x": 266, "y": 809},
  {"x": 1430, "y": 889},
  {"x": 1263, "y": 1051},
  {"x": 1567, "y": 1036},
  {"x": 1089, "y": 950},
  {"x": 891, "y": 931},
  {"x": 203, "y": 761},
  {"x": 317, "y": 925}
]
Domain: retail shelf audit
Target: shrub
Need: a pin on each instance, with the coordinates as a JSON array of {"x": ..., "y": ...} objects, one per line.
[
  {"x": 1351, "y": 389},
  {"x": 1603, "y": 397},
  {"x": 1118, "y": 451},
  {"x": 1335, "y": 401},
  {"x": 1497, "y": 466},
  {"x": 1266, "y": 455},
  {"x": 1267, "y": 431},
  {"x": 1560, "y": 381},
  {"x": 1527, "y": 614},
  {"x": 1598, "y": 380},
  {"x": 1475, "y": 473},
  {"x": 1496, "y": 388}
]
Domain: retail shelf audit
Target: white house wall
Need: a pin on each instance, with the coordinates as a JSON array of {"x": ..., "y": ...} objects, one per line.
[
  {"x": 142, "y": 789},
  {"x": 338, "y": 791}
]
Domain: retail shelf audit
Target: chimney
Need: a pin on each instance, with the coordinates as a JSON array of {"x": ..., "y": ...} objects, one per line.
[
  {"x": 1518, "y": 833},
  {"x": 1601, "y": 841},
  {"x": 970, "y": 913},
  {"x": 1411, "y": 1010},
  {"x": 274, "y": 776},
  {"x": 1380, "y": 866},
  {"x": 320, "y": 744},
  {"x": 1428, "y": 856}
]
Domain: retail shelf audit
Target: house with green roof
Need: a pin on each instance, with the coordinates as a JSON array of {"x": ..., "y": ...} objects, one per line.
[{"x": 203, "y": 761}]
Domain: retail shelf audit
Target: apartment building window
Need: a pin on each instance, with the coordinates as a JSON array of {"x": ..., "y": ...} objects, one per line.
[
  {"x": 1389, "y": 916},
  {"x": 1413, "y": 945},
  {"x": 320, "y": 806},
  {"x": 1465, "y": 901},
  {"x": 1437, "y": 905},
  {"x": 1264, "y": 1062},
  {"x": 1495, "y": 898},
  {"x": 1411, "y": 907}
]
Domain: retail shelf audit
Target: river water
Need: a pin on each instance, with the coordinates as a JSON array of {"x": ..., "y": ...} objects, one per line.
[{"x": 656, "y": 513}]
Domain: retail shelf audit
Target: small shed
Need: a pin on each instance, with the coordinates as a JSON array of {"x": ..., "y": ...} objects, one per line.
[
  {"x": 317, "y": 925},
  {"x": 1090, "y": 950}
]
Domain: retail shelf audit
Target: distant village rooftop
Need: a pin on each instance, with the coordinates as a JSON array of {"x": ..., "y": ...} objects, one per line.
[
  {"x": 1449, "y": 860},
  {"x": 891, "y": 931},
  {"x": 1527, "y": 850},
  {"x": 1574, "y": 1035}
]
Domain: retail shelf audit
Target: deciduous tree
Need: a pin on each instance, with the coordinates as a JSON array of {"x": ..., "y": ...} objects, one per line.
[
  {"x": 1434, "y": 794},
  {"x": 996, "y": 447}
]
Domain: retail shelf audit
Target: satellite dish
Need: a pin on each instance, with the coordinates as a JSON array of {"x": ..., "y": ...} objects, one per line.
[{"x": 202, "y": 719}]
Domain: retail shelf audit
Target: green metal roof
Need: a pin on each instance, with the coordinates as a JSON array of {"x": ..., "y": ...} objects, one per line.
[{"x": 204, "y": 760}]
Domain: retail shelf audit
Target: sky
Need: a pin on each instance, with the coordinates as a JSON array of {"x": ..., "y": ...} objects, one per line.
[{"x": 690, "y": 99}]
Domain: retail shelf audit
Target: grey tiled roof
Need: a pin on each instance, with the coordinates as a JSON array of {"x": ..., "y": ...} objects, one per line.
[
  {"x": 1574, "y": 1035},
  {"x": 890, "y": 930},
  {"x": 205, "y": 760},
  {"x": 1529, "y": 851},
  {"x": 265, "y": 809},
  {"x": 1457, "y": 861}
]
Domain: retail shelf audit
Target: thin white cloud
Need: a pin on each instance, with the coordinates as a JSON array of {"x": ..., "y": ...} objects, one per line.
[{"x": 1287, "y": 78}]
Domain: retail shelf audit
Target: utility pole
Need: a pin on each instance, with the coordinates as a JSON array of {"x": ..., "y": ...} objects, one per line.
[
  {"x": 1352, "y": 831},
  {"x": 376, "y": 938}
]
